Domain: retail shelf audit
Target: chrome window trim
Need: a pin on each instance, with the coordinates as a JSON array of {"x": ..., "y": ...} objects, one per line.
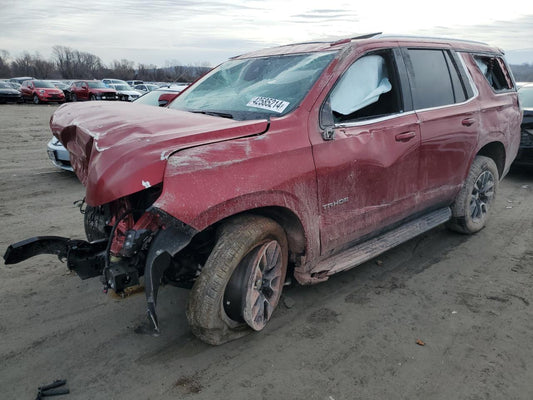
[
  {"x": 467, "y": 72},
  {"x": 372, "y": 120}
]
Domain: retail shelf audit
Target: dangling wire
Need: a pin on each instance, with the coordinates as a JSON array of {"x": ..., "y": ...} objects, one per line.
[{"x": 80, "y": 204}]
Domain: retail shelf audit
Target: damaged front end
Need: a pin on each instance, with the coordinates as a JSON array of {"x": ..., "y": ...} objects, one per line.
[
  {"x": 119, "y": 152},
  {"x": 127, "y": 239}
]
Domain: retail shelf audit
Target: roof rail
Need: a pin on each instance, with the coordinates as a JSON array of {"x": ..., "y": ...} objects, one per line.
[
  {"x": 348, "y": 40},
  {"x": 389, "y": 35}
]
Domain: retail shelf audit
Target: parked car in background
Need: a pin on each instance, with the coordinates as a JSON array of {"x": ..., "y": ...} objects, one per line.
[
  {"x": 91, "y": 90},
  {"x": 135, "y": 82},
  {"x": 40, "y": 91},
  {"x": 20, "y": 79},
  {"x": 65, "y": 87},
  {"x": 58, "y": 154},
  {"x": 175, "y": 85},
  {"x": 146, "y": 87},
  {"x": 8, "y": 94},
  {"x": 125, "y": 92},
  {"x": 160, "y": 97},
  {"x": 14, "y": 85},
  {"x": 111, "y": 81},
  {"x": 525, "y": 152}
]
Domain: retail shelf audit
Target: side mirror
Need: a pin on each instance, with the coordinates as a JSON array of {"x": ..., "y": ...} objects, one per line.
[
  {"x": 166, "y": 98},
  {"x": 326, "y": 121}
]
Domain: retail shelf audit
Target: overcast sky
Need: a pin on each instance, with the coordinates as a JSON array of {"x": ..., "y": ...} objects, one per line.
[{"x": 166, "y": 32}]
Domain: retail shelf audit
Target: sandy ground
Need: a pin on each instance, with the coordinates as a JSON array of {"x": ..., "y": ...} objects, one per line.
[{"x": 354, "y": 337}]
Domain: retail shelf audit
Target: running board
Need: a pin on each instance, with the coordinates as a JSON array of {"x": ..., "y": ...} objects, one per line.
[{"x": 365, "y": 251}]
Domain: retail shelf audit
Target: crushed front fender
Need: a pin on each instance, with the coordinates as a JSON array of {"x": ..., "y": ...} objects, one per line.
[{"x": 167, "y": 243}]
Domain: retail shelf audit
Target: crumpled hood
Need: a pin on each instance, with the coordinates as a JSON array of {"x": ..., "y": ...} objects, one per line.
[{"x": 117, "y": 149}]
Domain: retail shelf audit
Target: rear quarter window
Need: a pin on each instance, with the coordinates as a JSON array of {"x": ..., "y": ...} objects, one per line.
[{"x": 495, "y": 72}]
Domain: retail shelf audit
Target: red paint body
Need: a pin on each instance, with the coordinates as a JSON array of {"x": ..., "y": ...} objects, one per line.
[
  {"x": 30, "y": 89},
  {"x": 83, "y": 91},
  {"x": 327, "y": 194}
]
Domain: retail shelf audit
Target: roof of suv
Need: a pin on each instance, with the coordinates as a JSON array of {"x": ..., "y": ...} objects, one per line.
[{"x": 317, "y": 46}]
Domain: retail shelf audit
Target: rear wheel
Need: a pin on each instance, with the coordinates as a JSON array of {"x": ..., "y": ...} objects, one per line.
[
  {"x": 471, "y": 208},
  {"x": 73, "y": 97},
  {"x": 93, "y": 97},
  {"x": 240, "y": 285}
]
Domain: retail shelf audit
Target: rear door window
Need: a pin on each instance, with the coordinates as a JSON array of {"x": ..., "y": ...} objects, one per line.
[
  {"x": 435, "y": 78},
  {"x": 430, "y": 80}
]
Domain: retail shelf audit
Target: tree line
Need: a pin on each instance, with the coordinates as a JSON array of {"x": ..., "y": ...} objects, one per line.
[{"x": 68, "y": 63}]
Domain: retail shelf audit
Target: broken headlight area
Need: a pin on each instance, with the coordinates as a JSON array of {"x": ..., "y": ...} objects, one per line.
[{"x": 128, "y": 239}]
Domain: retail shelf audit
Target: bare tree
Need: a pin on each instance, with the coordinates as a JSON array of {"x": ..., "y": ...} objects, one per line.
[
  {"x": 123, "y": 69},
  {"x": 23, "y": 65},
  {"x": 77, "y": 64},
  {"x": 5, "y": 70},
  {"x": 64, "y": 61},
  {"x": 43, "y": 68}
]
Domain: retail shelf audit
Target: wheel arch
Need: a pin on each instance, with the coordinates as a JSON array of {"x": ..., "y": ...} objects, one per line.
[
  {"x": 496, "y": 151},
  {"x": 286, "y": 218},
  {"x": 290, "y": 223}
]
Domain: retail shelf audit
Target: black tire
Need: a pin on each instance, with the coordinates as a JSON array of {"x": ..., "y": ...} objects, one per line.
[
  {"x": 471, "y": 208},
  {"x": 73, "y": 97},
  {"x": 36, "y": 99},
  {"x": 93, "y": 97},
  {"x": 241, "y": 282},
  {"x": 94, "y": 222}
]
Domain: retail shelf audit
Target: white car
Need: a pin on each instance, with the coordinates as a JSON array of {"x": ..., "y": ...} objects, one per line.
[
  {"x": 110, "y": 81},
  {"x": 145, "y": 87},
  {"x": 125, "y": 92},
  {"x": 58, "y": 154}
]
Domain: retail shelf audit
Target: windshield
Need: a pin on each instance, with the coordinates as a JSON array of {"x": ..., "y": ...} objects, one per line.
[
  {"x": 255, "y": 87},
  {"x": 526, "y": 96},
  {"x": 97, "y": 85},
  {"x": 5, "y": 86},
  {"x": 43, "y": 84},
  {"x": 122, "y": 87}
]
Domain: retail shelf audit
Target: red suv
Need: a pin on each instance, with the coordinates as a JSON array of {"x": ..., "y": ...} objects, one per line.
[
  {"x": 306, "y": 160},
  {"x": 41, "y": 92},
  {"x": 91, "y": 90}
]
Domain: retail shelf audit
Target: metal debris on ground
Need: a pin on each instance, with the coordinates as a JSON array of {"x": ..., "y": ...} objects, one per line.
[{"x": 52, "y": 389}]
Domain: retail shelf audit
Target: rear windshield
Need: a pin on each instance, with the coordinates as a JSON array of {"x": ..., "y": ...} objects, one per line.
[{"x": 255, "y": 87}]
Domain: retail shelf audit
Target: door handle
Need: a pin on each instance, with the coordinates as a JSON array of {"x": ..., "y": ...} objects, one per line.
[
  {"x": 404, "y": 137},
  {"x": 468, "y": 121}
]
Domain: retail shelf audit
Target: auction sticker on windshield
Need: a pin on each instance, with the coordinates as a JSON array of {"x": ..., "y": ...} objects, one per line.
[{"x": 266, "y": 103}]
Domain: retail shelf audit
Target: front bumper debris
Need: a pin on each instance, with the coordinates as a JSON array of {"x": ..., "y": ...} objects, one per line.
[
  {"x": 143, "y": 252},
  {"x": 87, "y": 259}
]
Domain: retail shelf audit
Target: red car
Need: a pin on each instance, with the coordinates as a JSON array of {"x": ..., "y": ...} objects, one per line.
[
  {"x": 302, "y": 160},
  {"x": 40, "y": 91},
  {"x": 91, "y": 90}
]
